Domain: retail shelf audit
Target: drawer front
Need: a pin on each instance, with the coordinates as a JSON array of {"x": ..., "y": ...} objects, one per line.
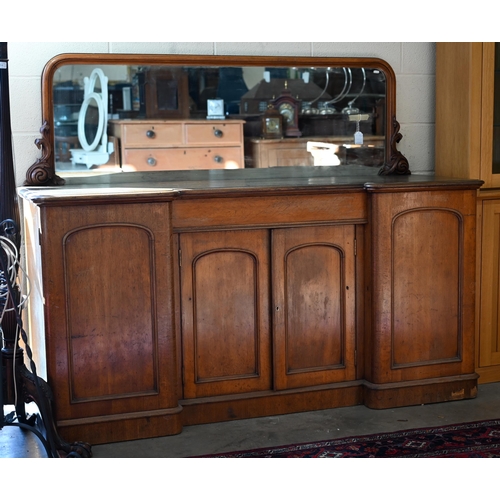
[
  {"x": 213, "y": 133},
  {"x": 269, "y": 211},
  {"x": 182, "y": 159},
  {"x": 152, "y": 135}
]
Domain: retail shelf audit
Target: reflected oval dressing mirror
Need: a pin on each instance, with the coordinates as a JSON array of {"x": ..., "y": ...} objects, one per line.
[
  {"x": 88, "y": 124},
  {"x": 91, "y": 122},
  {"x": 200, "y": 112}
]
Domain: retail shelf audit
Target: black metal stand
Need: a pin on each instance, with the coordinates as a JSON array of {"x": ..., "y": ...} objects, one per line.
[{"x": 18, "y": 385}]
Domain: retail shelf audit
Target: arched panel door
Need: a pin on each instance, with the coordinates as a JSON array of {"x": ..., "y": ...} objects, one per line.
[
  {"x": 313, "y": 306},
  {"x": 109, "y": 325},
  {"x": 103, "y": 323},
  {"x": 225, "y": 312}
]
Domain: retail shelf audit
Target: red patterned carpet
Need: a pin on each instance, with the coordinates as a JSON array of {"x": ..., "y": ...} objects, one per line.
[{"x": 471, "y": 440}]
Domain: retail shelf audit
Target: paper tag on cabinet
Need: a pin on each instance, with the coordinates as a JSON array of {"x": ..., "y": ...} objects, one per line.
[{"x": 358, "y": 137}]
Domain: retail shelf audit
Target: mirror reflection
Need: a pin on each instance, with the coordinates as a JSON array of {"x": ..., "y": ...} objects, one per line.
[{"x": 122, "y": 118}]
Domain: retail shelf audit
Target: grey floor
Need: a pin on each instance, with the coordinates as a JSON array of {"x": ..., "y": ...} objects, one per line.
[{"x": 279, "y": 430}]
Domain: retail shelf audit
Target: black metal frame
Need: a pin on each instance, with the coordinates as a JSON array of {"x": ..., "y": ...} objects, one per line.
[{"x": 15, "y": 378}]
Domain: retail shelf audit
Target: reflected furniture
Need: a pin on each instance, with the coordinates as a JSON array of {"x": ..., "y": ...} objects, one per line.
[
  {"x": 179, "y": 144},
  {"x": 265, "y": 153},
  {"x": 468, "y": 146}
]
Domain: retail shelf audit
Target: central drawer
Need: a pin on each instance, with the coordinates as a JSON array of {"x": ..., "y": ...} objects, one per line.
[{"x": 265, "y": 211}]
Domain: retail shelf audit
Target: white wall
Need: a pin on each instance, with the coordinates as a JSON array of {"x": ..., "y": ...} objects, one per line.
[{"x": 413, "y": 63}]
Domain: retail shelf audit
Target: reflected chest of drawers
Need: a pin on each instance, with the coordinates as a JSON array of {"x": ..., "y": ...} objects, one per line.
[{"x": 147, "y": 145}]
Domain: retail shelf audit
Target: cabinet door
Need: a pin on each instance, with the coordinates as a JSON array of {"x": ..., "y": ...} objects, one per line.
[
  {"x": 107, "y": 282},
  {"x": 422, "y": 267},
  {"x": 489, "y": 331},
  {"x": 224, "y": 280},
  {"x": 313, "y": 306}
]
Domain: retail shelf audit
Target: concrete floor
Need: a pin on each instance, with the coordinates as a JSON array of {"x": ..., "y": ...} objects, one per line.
[{"x": 275, "y": 431}]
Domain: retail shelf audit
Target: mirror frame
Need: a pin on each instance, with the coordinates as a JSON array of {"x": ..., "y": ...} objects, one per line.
[{"x": 42, "y": 172}]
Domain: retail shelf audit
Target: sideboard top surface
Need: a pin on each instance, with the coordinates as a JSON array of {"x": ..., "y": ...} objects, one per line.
[{"x": 152, "y": 186}]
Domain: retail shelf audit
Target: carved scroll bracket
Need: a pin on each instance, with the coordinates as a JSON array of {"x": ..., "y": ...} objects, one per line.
[
  {"x": 397, "y": 164},
  {"x": 42, "y": 172}
]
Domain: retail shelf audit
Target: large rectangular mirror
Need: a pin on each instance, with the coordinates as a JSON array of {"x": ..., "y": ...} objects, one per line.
[{"x": 130, "y": 113}]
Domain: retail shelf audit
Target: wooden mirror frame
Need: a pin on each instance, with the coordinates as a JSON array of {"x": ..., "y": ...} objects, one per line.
[{"x": 42, "y": 172}]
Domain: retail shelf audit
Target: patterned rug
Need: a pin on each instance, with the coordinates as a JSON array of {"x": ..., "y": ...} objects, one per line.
[{"x": 471, "y": 440}]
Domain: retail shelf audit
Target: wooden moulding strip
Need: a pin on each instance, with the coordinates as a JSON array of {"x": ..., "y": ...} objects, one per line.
[
  {"x": 206, "y": 410},
  {"x": 418, "y": 392},
  {"x": 165, "y": 422},
  {"x": 123, "y": 427},
  {"x": 120, "y": 416}
]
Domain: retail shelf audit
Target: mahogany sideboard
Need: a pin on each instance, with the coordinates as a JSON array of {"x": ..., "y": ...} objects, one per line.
[{"x": 165, "y": 299}]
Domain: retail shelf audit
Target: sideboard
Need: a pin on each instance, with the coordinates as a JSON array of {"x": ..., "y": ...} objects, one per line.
[{"x": 167, "y": 299}]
